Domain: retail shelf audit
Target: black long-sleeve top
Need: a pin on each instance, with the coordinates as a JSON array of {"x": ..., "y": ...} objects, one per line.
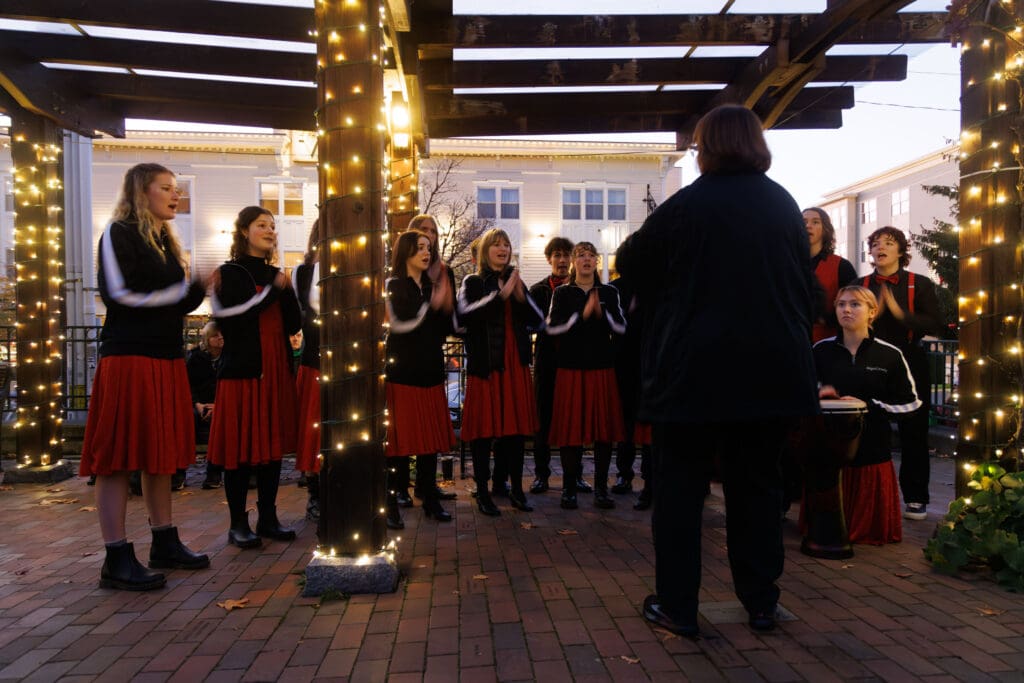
[
  {"x": 586, "y": 344},
  {"x": 545, "y": 346},
  {"x": 305, "y": 283},
  {"x": 878, "y": 375},
  {"x": 146, "y": 294},
  {"x": 926, "y": 319},
  {"x": 202, "y": 375},
  {"x": 481, "y": 311},
  {"x": 237, "y": 304},
  {"x": 415, "y": 343}
]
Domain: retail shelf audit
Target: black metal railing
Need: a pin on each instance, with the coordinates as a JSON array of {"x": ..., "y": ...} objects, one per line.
[{"x": 945, "y": 375}]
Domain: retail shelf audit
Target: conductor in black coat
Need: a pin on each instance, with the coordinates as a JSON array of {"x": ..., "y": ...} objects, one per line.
[{"x": 726, "y": 365}]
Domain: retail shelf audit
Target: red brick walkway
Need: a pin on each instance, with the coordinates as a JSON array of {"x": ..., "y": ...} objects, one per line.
[{"x": 517, "y": 598}]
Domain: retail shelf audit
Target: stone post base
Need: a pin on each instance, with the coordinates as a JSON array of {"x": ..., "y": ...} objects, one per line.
[
  {"x": 45, "y": 474},
  {"x": 367, "y": 574}
]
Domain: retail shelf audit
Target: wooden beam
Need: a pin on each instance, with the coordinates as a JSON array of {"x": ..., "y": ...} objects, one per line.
[
  {"x": 596, "y": 121},
  {"x": 141, "y": 54},
  {"x": 441, "y": 75},
  {"x": 55, "y": 96},
  {"x": 438, "y": 34},
  {"x": 185, "y": 16},
  {"x": 221, "y": 113},
  {"x": 440, "y": 106}
]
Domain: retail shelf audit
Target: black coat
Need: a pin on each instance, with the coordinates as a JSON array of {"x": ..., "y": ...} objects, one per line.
[
  {"x": 202, "y": 375},
  {"x": 877, "y": 375},
  {"x": 585, "y": 344},
  {"x": 723, "y": 269},
  {"x": 415, "y": 343},
  {"x": 307, "y": 291},
  {"x": 545, "y": 347},
  {"x": 237, "y": 306},
  {"x": 481, "y": 311},
  {"x": 146, "y": 295}
]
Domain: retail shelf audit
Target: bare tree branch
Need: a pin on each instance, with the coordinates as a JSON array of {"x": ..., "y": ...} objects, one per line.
[{"x": 454, "y": 213}]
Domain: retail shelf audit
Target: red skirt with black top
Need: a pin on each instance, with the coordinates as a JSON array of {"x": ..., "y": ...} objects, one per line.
[
  {"x": 871, "y": 503},
  {"x": 254, "y": 420},
  {"x": 418, "y": 420},
  {"x": 501, "y": 404},
  {"x": 140, "y": 417},
  {"x": 586, "y": 408},
  {"x": 307, "y": 447}
]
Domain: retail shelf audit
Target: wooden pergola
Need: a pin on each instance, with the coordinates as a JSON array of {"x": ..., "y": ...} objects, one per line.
[{"x": 336, "y": 69}]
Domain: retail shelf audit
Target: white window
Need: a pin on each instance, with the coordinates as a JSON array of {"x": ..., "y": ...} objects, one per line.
[
  {"x": 497, "y": 202},
  {"x": 869, "y": 211},
  {"x": 281, "y": 198},
  {"x": 185, "y": 199},
  {"x": 838, "y": 217},
  {"x": 901, "y": 202},
  {"x": 594, "y": 204}
]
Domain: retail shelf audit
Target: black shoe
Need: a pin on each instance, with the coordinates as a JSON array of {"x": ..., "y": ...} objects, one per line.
[
  {"x": 654, "y": 613},
  {"x": 403, "y": 499},
  {"x": 267, "y": 525},
  {"x": 485, "y": 504},
  {"x": 177, "y": 481},
  {"x": 500, "y": 490},
  {"x": 643, "y": 501},
  {"x": 211, "y": 483},
  {"x": 313, "y": 509},
  {"x": 135, "y": 483},
  {"x": 243, "y": 537},
  {"x": 518, "y": 501},
  {"x": 622, "y": 486},
  {"x": 433, "y": 510},
  {"x": 539, "y": 486},
  {"x": 301, "y": 483},
  {"x": 168, "y": 552},
  {"x": 763, "y": 620},
  {"x": 92, "y": 481},
  {"x": 569, "y": 501},
  {"x": 603, "y": 500},
  {"x": 583, "y": 487},
  {"x": 394, "y": 517},
  {"x": 122, "y": 571}
]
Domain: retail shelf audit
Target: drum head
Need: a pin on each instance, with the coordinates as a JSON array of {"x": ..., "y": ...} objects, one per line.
[{"x": 834, "y": 406}]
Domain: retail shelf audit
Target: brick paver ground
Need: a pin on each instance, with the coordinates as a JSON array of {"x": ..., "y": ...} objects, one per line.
[{"x": 543, "y": 596}]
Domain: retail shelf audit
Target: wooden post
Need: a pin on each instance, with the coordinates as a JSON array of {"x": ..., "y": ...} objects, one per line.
[
  {"x": 351, "y": 129},
  {"x": 991, "y": 390},
  {"x": 36, "y": 151}
]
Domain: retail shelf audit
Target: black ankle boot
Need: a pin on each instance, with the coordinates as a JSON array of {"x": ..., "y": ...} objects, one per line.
[
  {"x": 394, "y": 518},
  {"x": 241, "y": 535},
  {"x": 485, "y": 503},
  {"x": 432, "y": 509},
  {"x": 518, "y": 500},
  {"x": 168, "y": 552},
  {"x": 643, "y": 501},
  {"x": 121, "y": 571},
  {"x": 602, "y": 499},
  {"x": 268, "y": 526}
]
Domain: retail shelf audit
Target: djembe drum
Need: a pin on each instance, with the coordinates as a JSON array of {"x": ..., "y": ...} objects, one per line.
[{"x": 829, "y": 441}]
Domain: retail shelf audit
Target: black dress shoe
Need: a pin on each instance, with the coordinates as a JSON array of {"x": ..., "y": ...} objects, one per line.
[
  {"x": 500, "y": 490},
  {"x": 763, "y": 620},
  {"x": 603, "y": 500},
  {"x": 569, "y": 501},
  {"x": 518, "y": 501},
  {"x": 583, "y": 487},
  {"x": 622, "y": 486},
  {"x": 433, "y": 510},
  {"x": 404, "y": 500},
  {"x": 654, "y": 613},
  {"x": 486, "y": 505},
  {"x": 539, "y": 486},
  {"x": 643, "y": 501}
]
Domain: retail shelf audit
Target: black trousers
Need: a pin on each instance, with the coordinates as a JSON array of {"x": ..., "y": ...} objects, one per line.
[
  {"x": 748, "y": 454},
  {"x": 915, "y": 463},
  {"x": 508, "y": 450}
]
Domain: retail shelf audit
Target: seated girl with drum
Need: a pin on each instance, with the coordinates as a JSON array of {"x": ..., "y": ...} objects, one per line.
[{"x": 854, "y": 364}]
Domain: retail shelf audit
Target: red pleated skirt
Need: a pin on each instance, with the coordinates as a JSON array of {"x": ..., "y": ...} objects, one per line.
[
  {"x": 502, "y": 404},
  {"x": 871, "y": 503},
  {"x": 140, "y": 417},
  {"x": 418, "y": 420},
  {"x": 642, "y": 434},
  {"x": 307, "y": 446},
  {"x": 586, "y": 408},
  {"x": 254, "y": 420}
]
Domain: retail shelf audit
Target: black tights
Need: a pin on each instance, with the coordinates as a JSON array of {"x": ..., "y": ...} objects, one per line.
[
  {"x": 236, "y": 487},
  {"x": 572, "y": 465},
  {"x": 508, "y": 450}
]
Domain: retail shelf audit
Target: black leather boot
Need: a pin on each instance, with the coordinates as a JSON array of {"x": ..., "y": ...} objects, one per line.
[
  {"x": 168, "y": 552},
  {"x": 313, "y": 504},
  {"x": 267, "y": 525},
  {"x": 394, "y": 518},
  {"x": 121, "y": 571},
  {"x": 426, "y": 483},
  {"x": 236, "y": 488},
  {"x": 484, "y": 502}
]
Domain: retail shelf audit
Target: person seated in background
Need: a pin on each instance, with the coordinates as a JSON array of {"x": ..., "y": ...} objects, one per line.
[
  {"x": 856, "y": 364},
  {"x": 202, "y": 363}
]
